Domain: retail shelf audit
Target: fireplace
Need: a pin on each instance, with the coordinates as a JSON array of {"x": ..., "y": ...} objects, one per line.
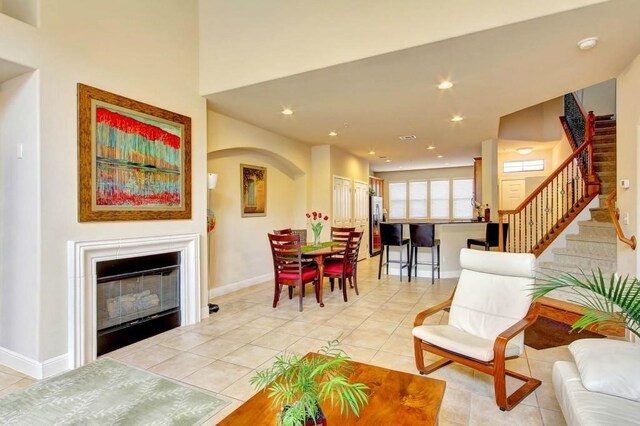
[
  {"x": 136, "y": 298},
  {"x": 87, "y": 257}
]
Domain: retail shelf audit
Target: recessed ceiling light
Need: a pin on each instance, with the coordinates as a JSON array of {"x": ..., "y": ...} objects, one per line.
[
  {"x": 446, "y": 164},
  {"x": 333, "y": 133},
  {"x": 524, "y": 151},
  {"x": 588, "y": 43},
  {"x": 400, "y": 167},
  {"x": 387, "y": 161},
  {"x": 439, "y": 156},
  {"x": 287, "y": 111},
  {"x": 372, "y": 153},
  {"x": 445, "y": 85},
  {"x": 457, "y": 118},
  {"x": 430, "y": 147},
  {"x": 408, "y": 138}
]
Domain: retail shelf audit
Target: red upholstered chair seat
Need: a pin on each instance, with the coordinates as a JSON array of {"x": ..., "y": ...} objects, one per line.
[
  {"x": 335, "y": 268},
  {"x": 308, "y": 274}
]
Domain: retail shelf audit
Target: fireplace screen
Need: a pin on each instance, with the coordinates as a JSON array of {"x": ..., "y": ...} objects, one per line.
[{"x": 136, "y": 298}]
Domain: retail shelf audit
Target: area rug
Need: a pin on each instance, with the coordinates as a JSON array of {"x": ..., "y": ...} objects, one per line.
[
  {"x": 108, "y": 392},
  {"x": 546, "y": 333}
]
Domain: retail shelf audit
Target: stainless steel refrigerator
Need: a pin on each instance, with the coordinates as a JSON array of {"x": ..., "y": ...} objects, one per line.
[{"x": 375, "y": 217}]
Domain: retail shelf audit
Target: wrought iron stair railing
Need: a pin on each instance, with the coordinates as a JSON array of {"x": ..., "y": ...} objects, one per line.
[{"x": 542, "y": 216}]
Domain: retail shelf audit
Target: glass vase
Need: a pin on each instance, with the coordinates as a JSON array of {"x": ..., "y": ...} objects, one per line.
[{"x": 316, "y": 235}]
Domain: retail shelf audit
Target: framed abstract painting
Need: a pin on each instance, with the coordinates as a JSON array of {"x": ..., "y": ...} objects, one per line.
[
  {"x": 254, "y": 190},
  {"x": 134, "y": 159}
]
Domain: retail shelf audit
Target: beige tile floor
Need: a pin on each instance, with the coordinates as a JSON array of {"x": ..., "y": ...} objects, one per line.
[{"x": 224, "y": 351}]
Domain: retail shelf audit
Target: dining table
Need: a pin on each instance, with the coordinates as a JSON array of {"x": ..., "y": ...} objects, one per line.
[{"x": 319, "y": 253}]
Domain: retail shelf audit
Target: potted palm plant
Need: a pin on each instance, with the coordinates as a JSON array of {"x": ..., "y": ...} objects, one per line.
[
  {"x": 298, "y": 384},
  {"x": 614, "y": 299}
]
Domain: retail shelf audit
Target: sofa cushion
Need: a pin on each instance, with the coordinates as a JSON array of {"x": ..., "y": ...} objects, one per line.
[
  {"x": 582, "y": 407},
  {"x": 608, "y": 366}
]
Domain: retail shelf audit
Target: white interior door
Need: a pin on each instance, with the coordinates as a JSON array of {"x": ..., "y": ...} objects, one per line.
[
  {"x": 361, "y": 214},
  {"x": 512, "y": 194},
  {"x": 341, "y": 201}
]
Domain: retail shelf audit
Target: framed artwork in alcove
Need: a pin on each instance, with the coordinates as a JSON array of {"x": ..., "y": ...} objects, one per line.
[
  {"x": 134, "y": 159},
  {"x": 253, "y": 188}
]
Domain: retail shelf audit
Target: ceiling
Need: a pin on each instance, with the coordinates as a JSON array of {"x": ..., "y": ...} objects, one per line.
[{"x": 370, "y": 103}]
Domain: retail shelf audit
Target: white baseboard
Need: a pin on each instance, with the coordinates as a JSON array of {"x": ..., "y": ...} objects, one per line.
[
  {"x": 37, "y": 370},
  {"x": 229, "y": 288},
  {"x": 424, "y": 273}
]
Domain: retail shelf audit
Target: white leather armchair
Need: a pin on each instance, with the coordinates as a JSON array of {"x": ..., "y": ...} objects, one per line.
[{"x": 489, "y": 311}]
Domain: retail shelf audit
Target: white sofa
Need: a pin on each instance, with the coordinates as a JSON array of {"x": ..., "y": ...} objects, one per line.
[{"x": 603, "y": 368}]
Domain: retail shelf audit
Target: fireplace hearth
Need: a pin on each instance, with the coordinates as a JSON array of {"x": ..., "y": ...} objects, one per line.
[{"x": 136, "y": 298}]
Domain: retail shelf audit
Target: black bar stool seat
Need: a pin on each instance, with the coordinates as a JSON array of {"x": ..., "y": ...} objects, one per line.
[
  {"x": 422, "y": 235},
  {"x": 391, "y": 235},
  {"x": 492, "y": 238}
]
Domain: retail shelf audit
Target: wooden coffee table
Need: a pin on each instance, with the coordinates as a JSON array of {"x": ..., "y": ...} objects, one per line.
[{"x": 395, "y": 398}]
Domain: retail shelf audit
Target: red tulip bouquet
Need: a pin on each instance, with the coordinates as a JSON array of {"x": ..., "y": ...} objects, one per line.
[{"x": 316, "y": 220}]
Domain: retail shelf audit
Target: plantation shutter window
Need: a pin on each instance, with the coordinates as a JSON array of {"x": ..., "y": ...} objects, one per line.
[
  {"x": 397, "y": 200},
  {"x": 418, "y": 199},
  {"x": 462, "y": 198},
  {"x": 439, "y": 199}
]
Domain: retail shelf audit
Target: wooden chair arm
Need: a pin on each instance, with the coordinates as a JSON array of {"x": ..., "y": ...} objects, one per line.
[
  {"x": 503, "y": 338},
  {"x": 432, "y": 310}
]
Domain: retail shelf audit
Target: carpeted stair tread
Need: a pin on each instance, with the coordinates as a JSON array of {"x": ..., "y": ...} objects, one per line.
[
  {"x": 605, "y": 123},
  {"x": 555, "y": 268},
  {"x": 579, "y": 254},
  {"x": 608, "y": 239}
]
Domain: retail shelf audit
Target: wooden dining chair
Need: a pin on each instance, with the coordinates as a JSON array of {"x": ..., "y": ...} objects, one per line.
[
  {"x": 345, "y": 268},
  {"x": 489, "y": 311},
  {"x": 289, "y": 268}
]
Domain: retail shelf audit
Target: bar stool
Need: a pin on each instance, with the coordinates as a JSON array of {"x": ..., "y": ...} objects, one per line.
[
  {"x": 491, "y": 238},
  {"x": 422, "y": 235},
  {"x": 391, "y": 235}
]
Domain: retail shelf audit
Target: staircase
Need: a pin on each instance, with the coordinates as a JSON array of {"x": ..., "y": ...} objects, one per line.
[{"x": 595, "y": 244}]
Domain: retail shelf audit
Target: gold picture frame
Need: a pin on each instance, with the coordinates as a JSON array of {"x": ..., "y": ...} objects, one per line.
[
  {"x": 253, "y": 188},
  {"x": 134, "y": 159}
]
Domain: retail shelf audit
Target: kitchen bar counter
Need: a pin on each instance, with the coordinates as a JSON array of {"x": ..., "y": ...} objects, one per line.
[{"x": 452, "y": 240}]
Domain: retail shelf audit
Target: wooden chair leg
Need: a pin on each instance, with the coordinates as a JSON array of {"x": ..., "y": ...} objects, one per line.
[
  {"x": 380, "y": 263},
  {"x": 506, "y": 403},
  {"x": 332, "y": 282},
  {"x": 300, "y": 291},
  {"x": 290, "y": 292},
  {"x": 419, "y": 356},
  {"x": 355, "y": 281},
  {"x": 350, "y": 283},
  {"x": 344, "y": 287},
  {"x": 276, "y": 294}
]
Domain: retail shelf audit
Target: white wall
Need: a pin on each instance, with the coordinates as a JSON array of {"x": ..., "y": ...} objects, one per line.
[
  {"x": 135, "y": 49},
  {"x": 19, "y": 217},
  {"x": 599, "y": 98},
  {"x": 628, "y": 138},
  {"x": 240, "y": 253}
]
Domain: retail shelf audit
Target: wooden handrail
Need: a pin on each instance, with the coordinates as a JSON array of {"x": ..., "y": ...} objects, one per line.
[
  {"x": 615, "y": 216},
  {"x": 588, "y": 190},
  {"x": 546, "y": 182}
]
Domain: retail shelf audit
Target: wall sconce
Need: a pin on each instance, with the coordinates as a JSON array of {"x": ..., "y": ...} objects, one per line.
[{"x": 212, "y": 180}]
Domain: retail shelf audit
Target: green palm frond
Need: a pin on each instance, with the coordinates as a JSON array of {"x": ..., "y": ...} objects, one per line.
[
  {"x": 300, "y": 383},
  {"x": 612, "y": 300}
]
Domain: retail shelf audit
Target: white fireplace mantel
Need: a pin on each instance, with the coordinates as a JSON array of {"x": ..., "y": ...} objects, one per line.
[{"x": 82, "y": 259}]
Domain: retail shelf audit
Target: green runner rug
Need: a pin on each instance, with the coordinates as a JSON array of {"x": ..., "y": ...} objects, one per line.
[{"x": 107, "y": 392}]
